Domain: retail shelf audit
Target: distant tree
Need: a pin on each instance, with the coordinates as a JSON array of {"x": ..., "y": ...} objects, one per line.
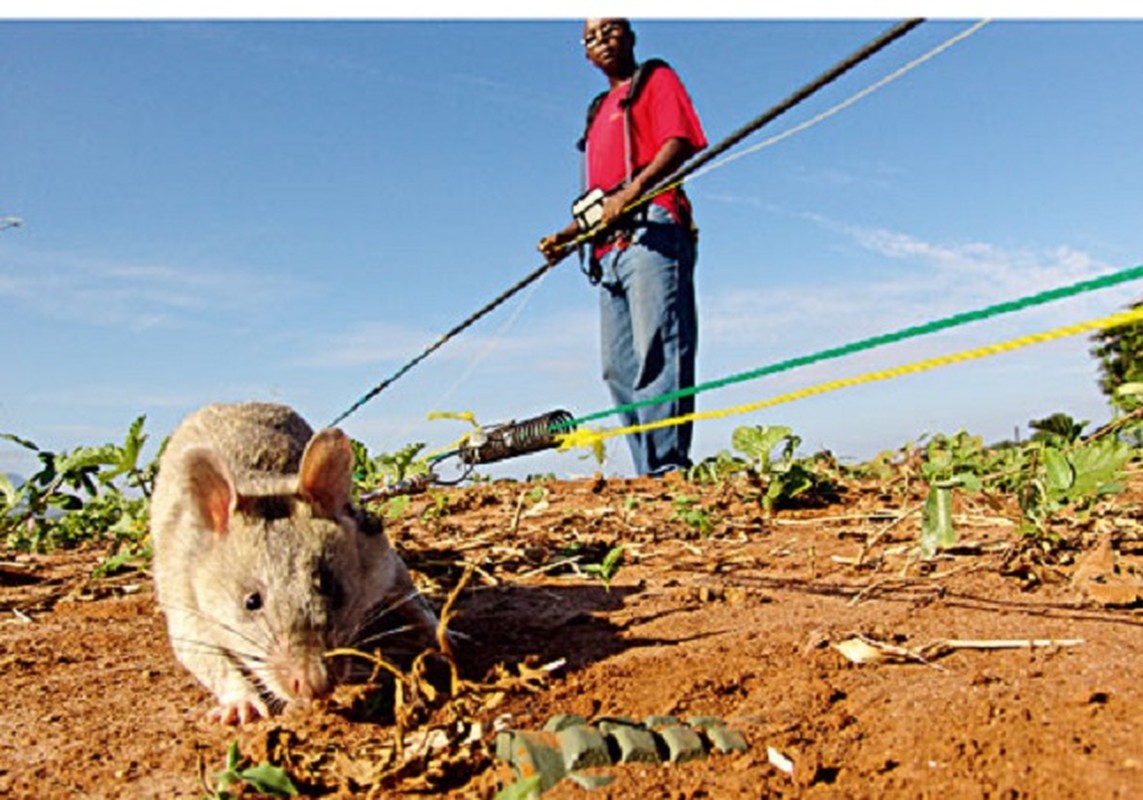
[
  {"x": 1119, "y": 351},
  {"x": 1059, "y": 429}
]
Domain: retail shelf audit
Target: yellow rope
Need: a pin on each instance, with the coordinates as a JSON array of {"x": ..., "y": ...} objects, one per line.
[
  {"x": 465, "y": 416},
  {"x": 584, "y": 437}
]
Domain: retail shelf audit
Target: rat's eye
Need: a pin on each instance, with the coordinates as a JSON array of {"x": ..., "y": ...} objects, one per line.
[
  {"x": 253, "y": 601},
  {"x": 329, "y": 586}
]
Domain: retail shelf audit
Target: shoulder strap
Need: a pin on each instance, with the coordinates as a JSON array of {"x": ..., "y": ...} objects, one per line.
[
  {"x": 592, "y": 110},
  {"x": 638, "y": 81}
]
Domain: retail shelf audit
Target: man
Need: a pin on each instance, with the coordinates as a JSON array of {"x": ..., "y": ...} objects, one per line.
[{"x": 645, "y": 257}]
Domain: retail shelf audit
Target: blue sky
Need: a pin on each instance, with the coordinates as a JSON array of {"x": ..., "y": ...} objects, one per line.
[{"x": 289, "y": 211}]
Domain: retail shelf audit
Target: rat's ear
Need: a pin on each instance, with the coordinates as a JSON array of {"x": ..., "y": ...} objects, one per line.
[
  {"x": 325, "y": 477},
  {"x": 211, "y": 489}
]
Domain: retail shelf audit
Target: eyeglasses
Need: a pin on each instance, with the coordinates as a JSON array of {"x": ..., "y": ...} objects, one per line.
[{"x": 603, "y": 34}]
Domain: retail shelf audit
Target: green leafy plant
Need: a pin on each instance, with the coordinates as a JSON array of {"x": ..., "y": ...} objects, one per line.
[
  {"x": 608, "y": 568},
  {"x": 758, "y": 442},
  {"x": 264, "y": 778},
  {"x": 716, "y": 469},
  {"x": 957, "y": 460},
  {"x": 126, "y": 557},
  {"x": 386, "y": 469},
  {"x": 86, "y": 493},
  {"x": 1058, "y": 430},
  {"x": 785, "y": 476},
  {"x": 1074, "y": 476},
  {"x": 523, "y": 789},
  {"x": 1119, "y": 354},
  {"x": 395, "y": 506},
  {"x": 936, "y": 521},
  {"x": 1130, "y": 395},
  {"x": 436, "y": 509},
  {"x": 1055, "y": 470},
  {"x": 691, "y": 512},
  {"x": 371, "y": 471}
]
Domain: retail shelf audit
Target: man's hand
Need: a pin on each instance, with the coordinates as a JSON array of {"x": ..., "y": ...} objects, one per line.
[
  {"x": 555, "y": 246},
  {"x": 615, "y": 203},
  {"x": 670, "y": 157}
]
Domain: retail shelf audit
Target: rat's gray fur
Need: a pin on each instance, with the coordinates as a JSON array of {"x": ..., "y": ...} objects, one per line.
[{"x": 261, "y": 563}]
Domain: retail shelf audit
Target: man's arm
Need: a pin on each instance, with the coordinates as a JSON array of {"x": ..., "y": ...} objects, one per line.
[{"x": 672, "y": 155}]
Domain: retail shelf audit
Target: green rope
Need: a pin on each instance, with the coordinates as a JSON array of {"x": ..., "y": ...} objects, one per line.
[{"x": 963, "y": 318}]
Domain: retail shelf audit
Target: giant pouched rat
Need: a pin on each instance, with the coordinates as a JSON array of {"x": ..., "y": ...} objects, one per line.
[{"x": 261, "y": 562}]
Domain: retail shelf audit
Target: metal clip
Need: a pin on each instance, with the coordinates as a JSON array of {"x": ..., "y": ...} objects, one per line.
[{"x": 415, "y": 484}]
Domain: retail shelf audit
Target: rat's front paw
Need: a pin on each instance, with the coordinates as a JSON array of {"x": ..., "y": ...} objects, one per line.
[{"x": 238, "y": 710}]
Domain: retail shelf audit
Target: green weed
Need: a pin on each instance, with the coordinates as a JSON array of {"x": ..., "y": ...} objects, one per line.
[
  {"x": 265, "y": 779},
  {"x": 608, "y": 568},
  {"x": 785, "y": 476},
  {"x": 1055, "y": 470},
  {"x": 689, "y": 511},
  {"x": 436, "y": 510},
  {"x": 78, "y": 495}
]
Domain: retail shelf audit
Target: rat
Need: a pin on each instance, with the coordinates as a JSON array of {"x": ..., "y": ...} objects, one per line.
[{"x": 262, "y": 563}]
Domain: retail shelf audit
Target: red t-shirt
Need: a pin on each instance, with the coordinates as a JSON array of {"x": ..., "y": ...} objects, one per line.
[{"x": 662, "y": 111}]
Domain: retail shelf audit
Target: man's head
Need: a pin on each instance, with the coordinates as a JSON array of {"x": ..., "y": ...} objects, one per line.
[{"x": 609, "y": 44}]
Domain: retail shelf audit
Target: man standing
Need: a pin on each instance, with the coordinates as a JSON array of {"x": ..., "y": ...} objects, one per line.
[{"x": 644, "y": 257}]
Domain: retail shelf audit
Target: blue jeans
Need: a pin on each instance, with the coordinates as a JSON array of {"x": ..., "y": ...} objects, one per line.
[{"x": 649, "y": 328}]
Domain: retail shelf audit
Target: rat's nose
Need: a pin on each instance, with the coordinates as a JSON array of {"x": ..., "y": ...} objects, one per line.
[
  {"x": 308, "y": 682},
  {"x": 302, "y": 671}
]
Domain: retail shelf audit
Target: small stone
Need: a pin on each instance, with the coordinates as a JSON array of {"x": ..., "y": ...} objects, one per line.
[
  {"x": 537, "y": 753},
  {"x": 561, "y": 721},
  {"x": 634, "y": 744},
  {"x": 608, "y": 724},
  {"x": 583, "y": 746},
  {"x": 706, "y": 722},
  {"x": 726, "y": 740},
  {"x": 682, "y": 744},
  {"x": 504, "y": 746},
  {"x": 656, "y": 721}
]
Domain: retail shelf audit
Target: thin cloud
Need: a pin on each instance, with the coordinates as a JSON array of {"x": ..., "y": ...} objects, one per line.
[
  {"x": 138, "y": 297},
  {"x": 731, "y": 199},
  {"x": 874, "y": 175},
  {"x": 511, "y": 94},
  {"x": 298, "y": 56},
  {"x": 921, "y": 280},
  {"x": 374, "y": 342},
  {"x": 365, "y": 343}
]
